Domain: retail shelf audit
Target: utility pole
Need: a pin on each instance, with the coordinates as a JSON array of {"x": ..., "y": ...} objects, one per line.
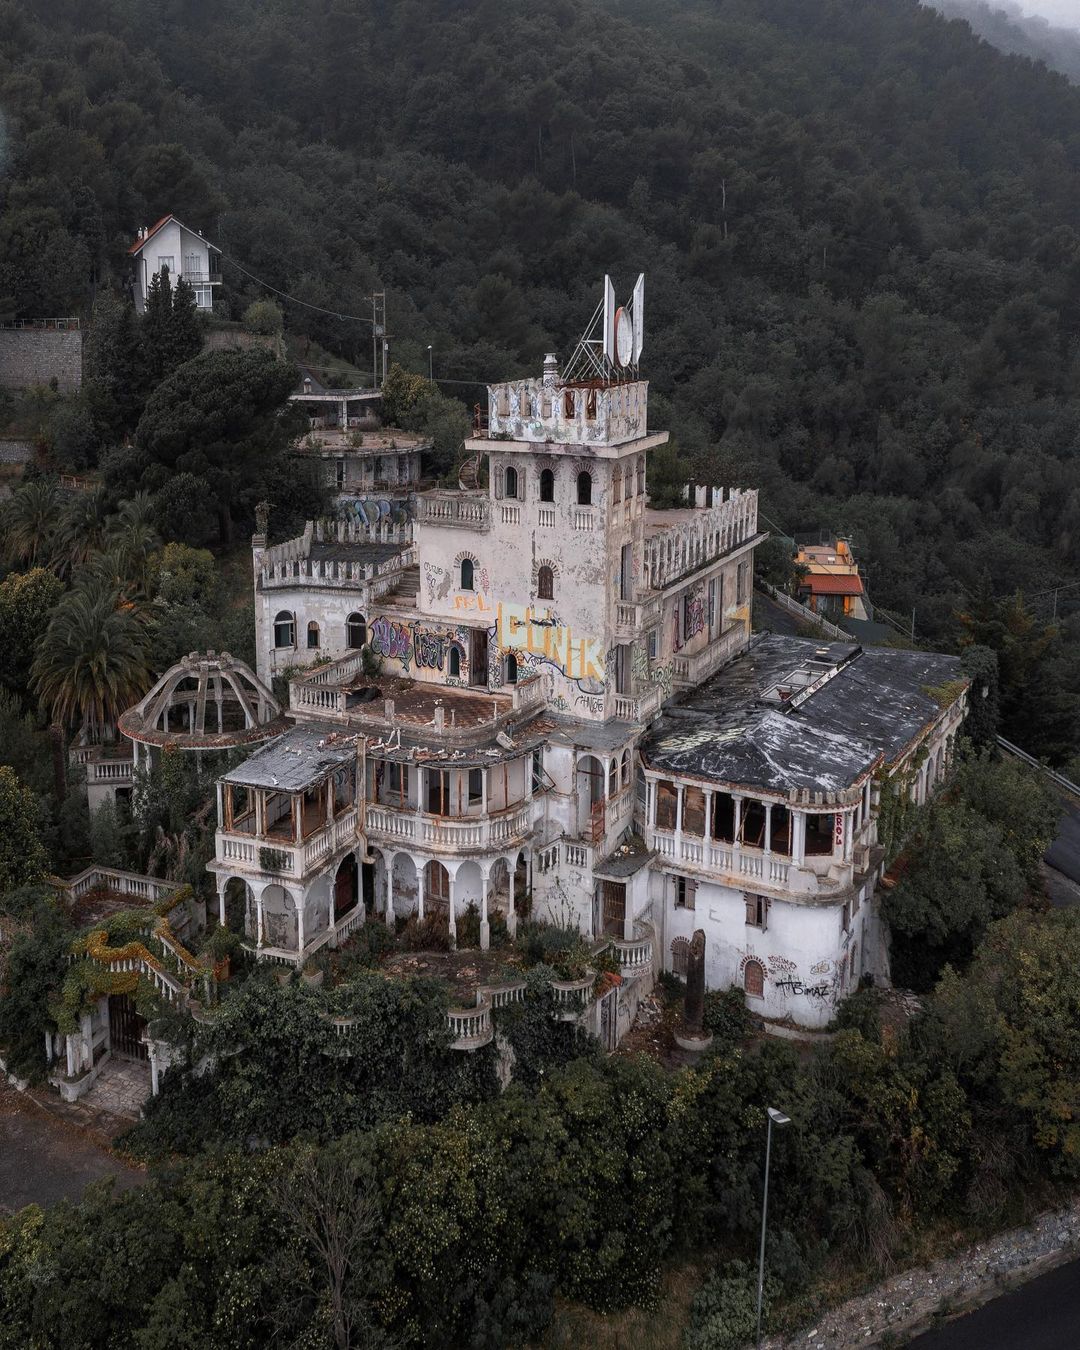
[{"x": 378, "y": 333}]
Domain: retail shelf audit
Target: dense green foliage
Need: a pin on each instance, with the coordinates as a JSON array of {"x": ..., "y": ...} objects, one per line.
[
  {"x": 1006, "y": 25},
  {"x": 858, "y": 224}
]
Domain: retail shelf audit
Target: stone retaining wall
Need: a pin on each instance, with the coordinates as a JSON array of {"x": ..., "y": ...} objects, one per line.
[
  {"x": 16, "y": 452},
  {"x": 33, "y": 356}
]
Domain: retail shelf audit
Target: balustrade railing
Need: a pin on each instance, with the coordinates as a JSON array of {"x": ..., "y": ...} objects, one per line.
[
  {"x": 571, "y": 997},
  {"x": 707, "y": 854},
  {"x": 454, "y": 508},
  {"x": 637, "y": 707},
  {"x": 447, "y": 832},
  {"x": 688, "y": 671},
  {"x": 471, "y": 1027}
]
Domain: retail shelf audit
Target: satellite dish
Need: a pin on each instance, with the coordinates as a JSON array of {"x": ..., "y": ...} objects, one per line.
[
  {"x": 624, "y": 338},
  {"x": 639, "y": 317},
  {"x": 609, "y": 319}
]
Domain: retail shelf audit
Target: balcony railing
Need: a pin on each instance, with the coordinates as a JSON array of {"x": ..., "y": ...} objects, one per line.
[
  {"x": 634, "y": 954},
  {"x": 448, "y": 833},
  {"x": 471, "y": 512},
  {"x": 634, "y": 617},
  {"x": 637, "y": 707},
  {"x": 273, "y": 857},
  {"x": 689, "y": 671},
  {"x": 196, "y": 278},
  {"x": 746, "y": 865}
]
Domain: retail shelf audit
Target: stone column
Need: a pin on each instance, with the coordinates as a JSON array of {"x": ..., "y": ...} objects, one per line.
[
  {"x": 798, "y": 837},
  {"x": 485, "y": 927},
  {"x": 511, "y": 912},
  {"x": 768, "y": 827},
  {"x": 420, "y": 867},
  {"x": 223, "y": 884},
  {"x": 390, "y": 892},
  {"x": 259, "y": 917},
  {"x": 453, "y": 906},
  {"x": 694, "y": 1003},
  {"x": 300, "y": 926}
]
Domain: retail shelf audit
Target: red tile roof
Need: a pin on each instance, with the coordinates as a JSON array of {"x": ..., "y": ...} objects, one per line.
[
  {"x": 140, "y": 243},
  {"x": 820, "y": 583}
]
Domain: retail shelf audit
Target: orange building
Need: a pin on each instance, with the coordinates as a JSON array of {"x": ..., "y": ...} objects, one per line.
[{"x": 831, "y": 585}]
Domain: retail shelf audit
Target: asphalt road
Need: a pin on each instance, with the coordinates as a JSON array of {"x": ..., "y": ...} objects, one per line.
[
  {"x": 42, "y": 1161},
  {"x": 1043, "y": 1314},
  {"x": 1063, "y": 855}
]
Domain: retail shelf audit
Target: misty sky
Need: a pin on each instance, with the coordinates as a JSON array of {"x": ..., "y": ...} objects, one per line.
[{"x": 1066, "y": 13}]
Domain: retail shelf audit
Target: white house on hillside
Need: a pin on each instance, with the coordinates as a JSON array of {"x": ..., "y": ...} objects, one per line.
[{"x": 184, "y": 252}]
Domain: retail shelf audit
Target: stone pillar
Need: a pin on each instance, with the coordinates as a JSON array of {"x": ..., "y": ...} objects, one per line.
[
  {"x": 768, "y": 827},
  {"x": 453, "y": 907},
  {"x": 223, "y": 885},
  {"x": 259, "y": 917},
  {"x": 420, "y": 867},
  {"x": 511, "y": 912},
  {"x": 390, "y": 892},
  {"x": 708, "y": 834},
  {"x": 300, "y": 926},
  {"x": 736, "y": 826},
  {"x": 485, "y": 926}
]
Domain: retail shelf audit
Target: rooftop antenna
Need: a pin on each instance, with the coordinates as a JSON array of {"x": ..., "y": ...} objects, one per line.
[{"x": 610, "y": 348}]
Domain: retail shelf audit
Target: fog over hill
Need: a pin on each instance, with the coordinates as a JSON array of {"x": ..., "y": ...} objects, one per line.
[{"x": 1043, "y": 35}]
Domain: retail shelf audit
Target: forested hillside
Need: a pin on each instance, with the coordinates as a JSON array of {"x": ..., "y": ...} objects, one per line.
[
  {"x": 1011, "y": 30},
  {"x": 858, "y": 224}
]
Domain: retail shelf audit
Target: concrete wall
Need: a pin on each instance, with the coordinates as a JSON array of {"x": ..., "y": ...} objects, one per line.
[
  {"x": 16, "y": 452},
  {"x": 37, "y": 356}
]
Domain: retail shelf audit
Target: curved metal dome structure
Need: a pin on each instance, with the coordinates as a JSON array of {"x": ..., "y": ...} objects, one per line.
[{"x": 207, "y": 701}]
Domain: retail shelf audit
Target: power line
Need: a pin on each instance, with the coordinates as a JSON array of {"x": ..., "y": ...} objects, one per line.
[{"x": 319, "y": 309}]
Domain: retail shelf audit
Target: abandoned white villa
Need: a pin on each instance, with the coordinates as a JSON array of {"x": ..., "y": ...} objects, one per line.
[{"x": 542, "y": 696}]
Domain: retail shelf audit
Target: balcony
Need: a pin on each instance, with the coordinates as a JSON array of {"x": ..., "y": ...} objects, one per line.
[
  {"x": 196, "y": 278},
  {"x": 464, "y": 510},
  {"x": 690, "y": 671},
  {"x": 634, "y": 617},
  {"x": 451, "y": 834},
  {"x": 637, "y": 707},
  {"x": 635, "y": 955},
  {"x": 271, "y": 857},
  {"x": 740, "y": 866}
]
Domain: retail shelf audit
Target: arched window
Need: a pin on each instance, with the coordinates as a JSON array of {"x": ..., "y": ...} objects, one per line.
[
  {"x": 680, "y": 955},
  {"x": 547, "y": 485},
  {"x": 754, "y": 979},
  {"x": 584, "y": 488},
  {"x": 312, "y": 634},
  {"x": 284, "y": 630},
  {"x": 616, "y": 484},
  {"x": 454, "y": 662},
  {"x": 511, "y": 669},
  {"x": 613, "y": 779},
  {"x": 626, "y": 768},
  {"x": 510, "y": 482},
  {"x": 355, "y": 631},
  {"x": 641, "y": 475},
  {"x": 467, "y": 569},
  {"x": 545, "y": 583}
]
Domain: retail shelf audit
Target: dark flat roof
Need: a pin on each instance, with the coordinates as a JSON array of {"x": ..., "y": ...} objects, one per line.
[
  {"x": 294, "y": 761},
  {"x": 868, "y": 704},
  {"x": 344, "y": 550}
]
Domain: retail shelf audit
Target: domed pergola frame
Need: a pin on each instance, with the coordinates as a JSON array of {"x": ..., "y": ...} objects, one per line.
[{"x": 207, "y": 701}]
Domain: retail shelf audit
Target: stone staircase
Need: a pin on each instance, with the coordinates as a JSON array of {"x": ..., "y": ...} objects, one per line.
[{"x": 406, "y": 588}]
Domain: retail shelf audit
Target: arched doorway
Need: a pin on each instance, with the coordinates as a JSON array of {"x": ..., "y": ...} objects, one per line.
[
  {"x": 590, "y": 794},
  {"x": 436, "y": 889},
  {"x": 280, "y": 926},
  {"x": 239, "y": 908},
  {"x": 522, "y": 898},
  {"x": 346, "y": 887},
  {"x": 405, "y": 889},
  {"x": 499, "y": 887}
]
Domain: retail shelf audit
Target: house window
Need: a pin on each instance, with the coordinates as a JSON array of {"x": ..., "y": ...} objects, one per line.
[
  {"x": 741, "y": 583},
  {"x": 454, "y": 663},
  {"x": 757, "y": 911},
  {"x": 654, "y": 643},
  {"x": 613, "y": 779},
  {"x": 781, "y": 830},
  {"x": 754, "y": 979},
  {"x": 510, "y": 482},
  {"x": 339, "y": 472},
  {"x": 284, "y": 630},
  {"x": 845, "y": 917},
  {"x": 467, "y": 570},
  {"x": 166, "y": 264},
  {"x": 616, "y": 485},
  {"x": 685, "y": 893},
  {"x": 712, "y": 605},
  {"x": 752, "y": 825},
  {"x": 693, "y": 811},
  {"x": 312, "y": 635},
  {"x": 584, "y": 488},
  {"x": 547, "y": 485},
  {"x": 355, "y": 631},
  {"x": 680, "y": 956},
  {"x": 687, "y": 617},
  {"x": 476, "y": 787},
  {"x": 511, "y": 669},
  {"x": 626, "y": 768},
  {"x": 204, "y": 297},
  {"x": 723, "y": 821},
  {"x": 537, "y": 771},
  {"x": 545, "y": 583}
]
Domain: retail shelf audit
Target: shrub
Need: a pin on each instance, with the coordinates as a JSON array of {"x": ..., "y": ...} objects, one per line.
[
  {"x": 723, "y": 1314},
  {"x": 726, "y": 1016}
]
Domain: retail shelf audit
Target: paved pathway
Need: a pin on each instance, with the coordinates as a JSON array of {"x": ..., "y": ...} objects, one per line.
[
  {"x": 44, "y": 1159},
  {"x": 1041, "y": 1315}
]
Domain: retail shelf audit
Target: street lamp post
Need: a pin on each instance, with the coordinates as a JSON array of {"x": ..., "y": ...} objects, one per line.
[
  {"x": 430, "y": 365},
  {"x": 778, "y": 1119}
]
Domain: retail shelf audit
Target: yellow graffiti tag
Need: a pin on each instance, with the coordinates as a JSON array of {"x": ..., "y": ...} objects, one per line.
[{"x": 520, "y": 628}]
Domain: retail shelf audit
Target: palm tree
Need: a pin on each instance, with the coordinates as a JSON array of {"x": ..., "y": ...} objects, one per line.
[
  {"x": 83, "y": 530},
  {"x": 91, "y": 661},
  {"x": 29, "y": 523},
  {"x": 132, "y": 539}
]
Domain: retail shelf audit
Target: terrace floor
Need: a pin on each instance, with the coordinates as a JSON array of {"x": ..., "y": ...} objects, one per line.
[
  {"x": 99, "y": 903},
  {"x": 462, "y": 970}
]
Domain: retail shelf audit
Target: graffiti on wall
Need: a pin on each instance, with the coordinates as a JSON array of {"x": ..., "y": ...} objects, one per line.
[
  {"x": 392, "y": 640},
  {"x": 438, "y": 581},
  {"x": 689, "y": 616},
  {"x": 474, "y": 600},
  {"x": 433, "y": 649},
  {"x": 541, "y": 635},
  {"x": 797, "y": 989}
]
